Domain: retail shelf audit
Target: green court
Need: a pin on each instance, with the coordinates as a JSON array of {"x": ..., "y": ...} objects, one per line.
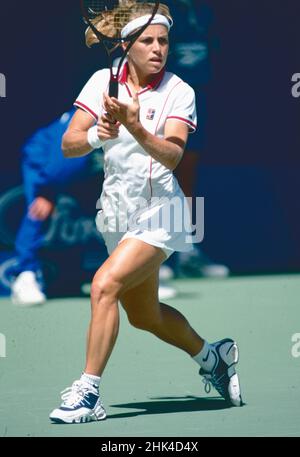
[{"x": 150, "y": 388}]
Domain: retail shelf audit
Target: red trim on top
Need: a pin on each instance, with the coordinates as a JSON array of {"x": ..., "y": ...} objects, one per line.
[
  {"x": 124, "y": 74},
  {"x": 86, "y": 108},
  {"x": 156, "y": 79},
  {"x": 151, "y": 86},
  {"x": 143, "y": 90},
  {"x": 187, "y": 121}
]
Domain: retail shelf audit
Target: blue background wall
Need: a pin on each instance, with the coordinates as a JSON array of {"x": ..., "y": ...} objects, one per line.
[{"x": 249, "y": 171}]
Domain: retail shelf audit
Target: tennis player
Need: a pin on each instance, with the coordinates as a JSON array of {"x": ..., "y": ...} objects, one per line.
[{"x": 143, "y": 134}]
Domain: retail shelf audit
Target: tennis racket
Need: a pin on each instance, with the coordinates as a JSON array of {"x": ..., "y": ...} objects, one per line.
[{"x": 110, "y": 16}]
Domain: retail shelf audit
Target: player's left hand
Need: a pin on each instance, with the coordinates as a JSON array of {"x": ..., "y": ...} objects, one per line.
[{"x": 127, "y": 114}]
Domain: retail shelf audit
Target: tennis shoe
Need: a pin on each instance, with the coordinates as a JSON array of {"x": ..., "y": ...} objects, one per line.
[
  {"x": 81, "y": 403},
  {"x": 223, "y": 376}
]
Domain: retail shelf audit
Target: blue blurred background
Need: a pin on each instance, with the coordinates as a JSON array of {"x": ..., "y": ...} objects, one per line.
[{"x": 249, "y": 164}]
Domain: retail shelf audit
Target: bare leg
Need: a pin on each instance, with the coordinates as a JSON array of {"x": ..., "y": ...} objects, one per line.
[
  {"x": 145, "y": 312},
  {"x": 175, "y": 329},
  {"x": 131, "y": 263},
  {"x": 102, "y": 334}
]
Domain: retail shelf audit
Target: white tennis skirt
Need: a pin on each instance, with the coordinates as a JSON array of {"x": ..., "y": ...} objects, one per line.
[{"x": 162, "y": 222}]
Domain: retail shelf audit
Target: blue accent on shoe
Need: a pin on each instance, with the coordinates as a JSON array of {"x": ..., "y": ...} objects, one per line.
[
  {"x": 205, "y": 359},
  {"x": 218, "y": 376},
  {"x": 89, "y": 401},
  {"x": 55, "y": 420}
]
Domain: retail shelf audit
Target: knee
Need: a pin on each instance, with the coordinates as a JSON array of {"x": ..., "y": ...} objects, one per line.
[{"x": 104, "y": 289}]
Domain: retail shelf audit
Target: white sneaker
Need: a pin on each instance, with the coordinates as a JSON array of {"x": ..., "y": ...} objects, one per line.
[
  {"x": 26, "y": 291},
  {"x": 165, "y": 292},
  {"x": 223, "y": 376},
  {"x": 81, "y": 403}
]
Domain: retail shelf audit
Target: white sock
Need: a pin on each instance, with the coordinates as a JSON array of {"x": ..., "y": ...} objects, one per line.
[
  {"x": 206, "y": 357},
  {"x": 91, "y": 379}
]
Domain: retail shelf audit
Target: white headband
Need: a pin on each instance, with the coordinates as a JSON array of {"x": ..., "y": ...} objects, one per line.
[{"x": 141, "y": 21}]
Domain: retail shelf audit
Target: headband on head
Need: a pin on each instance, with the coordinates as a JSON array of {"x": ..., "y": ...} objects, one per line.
[{"x": 139, "y": 22}]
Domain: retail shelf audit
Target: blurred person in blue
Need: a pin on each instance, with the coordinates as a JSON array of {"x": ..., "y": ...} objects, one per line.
[
  {"x": 189, "y": 58},
  {"x": 46, "y": 172}
]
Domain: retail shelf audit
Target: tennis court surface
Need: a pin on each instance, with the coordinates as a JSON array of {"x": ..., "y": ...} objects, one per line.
[{"x": 150, "y": 388}]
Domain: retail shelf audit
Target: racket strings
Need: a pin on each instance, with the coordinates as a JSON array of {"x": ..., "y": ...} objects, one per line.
[{"x": 109, "y": 17}]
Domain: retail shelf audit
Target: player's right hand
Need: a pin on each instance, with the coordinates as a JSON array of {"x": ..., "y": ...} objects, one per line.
[{"x": 108, "y": 128}]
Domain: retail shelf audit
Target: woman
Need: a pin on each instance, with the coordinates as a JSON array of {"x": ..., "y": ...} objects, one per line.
[{"x": 143, "y": 135}]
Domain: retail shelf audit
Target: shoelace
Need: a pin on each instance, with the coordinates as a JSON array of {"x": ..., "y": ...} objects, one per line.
[
  {"x": 207, "y": 384},
  {"x": 211, "y": 380},
  {"x": 73, "y": 395}
]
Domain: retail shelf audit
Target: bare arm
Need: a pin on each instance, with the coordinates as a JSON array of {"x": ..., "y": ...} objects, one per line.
[
  {"x": 167, "y": 150},
  {"x": 74, "y": 142},
  {"x": 170, "y": 149}
]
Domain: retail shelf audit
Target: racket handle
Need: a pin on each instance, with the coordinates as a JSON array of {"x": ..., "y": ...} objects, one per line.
[{"x": 113, "y": 88}]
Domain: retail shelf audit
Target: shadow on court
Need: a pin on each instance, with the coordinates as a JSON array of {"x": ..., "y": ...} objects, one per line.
[{"x": 167, "y": 405}]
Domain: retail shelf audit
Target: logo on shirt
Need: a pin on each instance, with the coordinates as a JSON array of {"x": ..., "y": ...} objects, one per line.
[{"x": 150, "y": 114}]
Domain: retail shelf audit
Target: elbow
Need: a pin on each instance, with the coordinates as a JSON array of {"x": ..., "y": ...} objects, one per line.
[
  {"x": 66, "y": 147},
  {"x": 172, "y": 166},
  {"x": 175, "y": 162},
  {"x": 175, "y": 153},
  {"x": 74, "y": 145}
]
